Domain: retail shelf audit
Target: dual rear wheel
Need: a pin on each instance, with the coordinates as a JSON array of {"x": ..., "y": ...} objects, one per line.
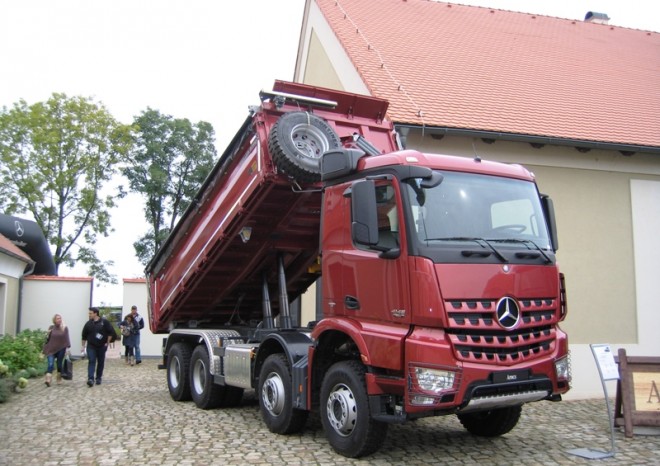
[{"x": 189, "y": 377}]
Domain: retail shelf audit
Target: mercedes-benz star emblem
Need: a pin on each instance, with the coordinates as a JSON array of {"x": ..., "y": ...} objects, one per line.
[
  {"x": 19, "y": 228},
  {"x": 508, "y": 313}
]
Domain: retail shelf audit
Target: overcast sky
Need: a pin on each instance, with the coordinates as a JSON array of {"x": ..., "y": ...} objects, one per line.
[{"x": 201, "y": 60}]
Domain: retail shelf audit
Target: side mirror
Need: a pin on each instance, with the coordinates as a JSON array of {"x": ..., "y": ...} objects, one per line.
[
  {"x": 364, "y": 223},
  {"x": 338, "y": 163},
  {"x": 549, "y": 212}
]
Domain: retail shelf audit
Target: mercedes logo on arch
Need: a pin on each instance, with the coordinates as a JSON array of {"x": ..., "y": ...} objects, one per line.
[
  {"x": 19, "y": 228},
  {"x": 508, "y": 313}
]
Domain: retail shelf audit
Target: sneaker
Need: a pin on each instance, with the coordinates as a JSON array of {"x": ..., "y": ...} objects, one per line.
[
  {"x": 90, "y": 383},
  {"x": 98, "y": 381},
  {"x": 138, "y": 362}
]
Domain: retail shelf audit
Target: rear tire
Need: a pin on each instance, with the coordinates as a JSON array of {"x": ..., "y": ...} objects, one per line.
[
  {"x": 205, "y": 393},
  {"x": 296, "y": 143},
  {"x": 345, "y": 412},
  {"x": 275, "y": 394},
  {"x": 178, "y": 370},
  {"x": 492, "y": 423}
]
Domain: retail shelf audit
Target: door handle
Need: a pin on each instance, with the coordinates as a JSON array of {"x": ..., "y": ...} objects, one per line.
[{"x": 351, "y": 303}]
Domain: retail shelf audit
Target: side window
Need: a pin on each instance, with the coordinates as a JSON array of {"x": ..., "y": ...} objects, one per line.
[{"x": 388, "y": 218}]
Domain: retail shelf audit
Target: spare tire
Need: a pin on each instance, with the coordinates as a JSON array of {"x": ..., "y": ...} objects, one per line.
[{"x": 296, "y": 142}]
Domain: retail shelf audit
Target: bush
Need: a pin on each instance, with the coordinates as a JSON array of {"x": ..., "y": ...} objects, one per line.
[
  {"x": 20, "y": 359},
  {"x": 23, "y": 351}
]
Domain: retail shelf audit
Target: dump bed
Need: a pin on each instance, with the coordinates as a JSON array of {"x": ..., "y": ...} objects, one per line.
[{"x": 257, "y": 205}]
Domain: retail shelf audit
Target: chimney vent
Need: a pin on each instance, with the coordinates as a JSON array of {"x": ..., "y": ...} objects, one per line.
[{"x": 598, "y": 18}]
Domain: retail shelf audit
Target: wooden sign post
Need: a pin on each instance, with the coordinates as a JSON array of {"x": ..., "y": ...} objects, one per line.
[{"x": 637, "y": 392}]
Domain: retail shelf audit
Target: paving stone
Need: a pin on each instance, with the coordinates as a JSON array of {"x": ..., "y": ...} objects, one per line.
[{"x": 71, "y": 424}]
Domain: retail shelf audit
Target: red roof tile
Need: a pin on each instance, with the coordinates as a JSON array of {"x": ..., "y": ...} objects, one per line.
[
  {"x": 456, "y": 66},
  {"x": 55, "y": 278},
  {"x": 11, "y": 249}
]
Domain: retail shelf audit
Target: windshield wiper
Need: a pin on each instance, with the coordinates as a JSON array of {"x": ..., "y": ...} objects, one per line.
[
  {"x": 526, "y": 242},
  {"x": 479, "y": 241}
]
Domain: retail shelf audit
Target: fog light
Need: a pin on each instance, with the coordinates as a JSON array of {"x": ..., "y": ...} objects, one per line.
[
  {"x": 563, "y": 369},
  {"x": 422, "y": 400},
  {"x": 433, "y": 380}
]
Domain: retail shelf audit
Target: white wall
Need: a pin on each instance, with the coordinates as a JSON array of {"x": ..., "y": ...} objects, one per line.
[
  {"x": 136, "y": 293},
  {"x": 43, "y": 297}
]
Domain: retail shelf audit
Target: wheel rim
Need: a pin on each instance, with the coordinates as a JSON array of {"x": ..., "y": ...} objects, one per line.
[
  {"x": 309, "y": 141},
  {"x": 199, "y": 376},
  {"x": 272, "y": 394},
  {"x": 175, "y": 372},
  {"x": 342, "y": 410}
]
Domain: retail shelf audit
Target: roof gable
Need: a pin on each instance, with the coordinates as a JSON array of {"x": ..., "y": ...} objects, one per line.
[
  {"x": 465, "y": 67},
  {"x": 9, "y": 248}
]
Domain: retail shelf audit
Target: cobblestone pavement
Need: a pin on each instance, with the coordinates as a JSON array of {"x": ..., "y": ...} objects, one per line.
[{"x": 72, "y": 424}]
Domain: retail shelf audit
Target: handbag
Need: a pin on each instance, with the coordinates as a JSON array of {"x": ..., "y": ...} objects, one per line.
[{"x": 67, "y": 368}]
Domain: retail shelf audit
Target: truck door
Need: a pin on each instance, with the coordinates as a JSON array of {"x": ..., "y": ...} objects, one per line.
[{"x": 375, "y": 278}]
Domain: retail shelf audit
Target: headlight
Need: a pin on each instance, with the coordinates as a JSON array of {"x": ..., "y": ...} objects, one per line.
[
  {"x": 563, "y": 369},
  {"x": 434, "y": 380}
]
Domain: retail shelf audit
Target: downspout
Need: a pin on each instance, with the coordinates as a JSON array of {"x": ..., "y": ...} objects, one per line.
[{"x": 19, "y": 311}]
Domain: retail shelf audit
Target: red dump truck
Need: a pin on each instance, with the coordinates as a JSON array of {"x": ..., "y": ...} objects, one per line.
[{"x": 436, "y": 281}]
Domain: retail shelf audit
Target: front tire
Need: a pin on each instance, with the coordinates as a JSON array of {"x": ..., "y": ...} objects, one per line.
[
  {"x": 178, "y": 370},
  {"x": 345, "y": 412},
  {"x": 492, "y": 423},
  {"x": 275, "y": 393}
]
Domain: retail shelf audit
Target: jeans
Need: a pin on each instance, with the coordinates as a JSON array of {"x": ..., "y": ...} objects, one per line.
[
  {"x": 138, "y": 354},
  {"x": 51, "y": 361},
  {"x": 96, "y": 357}
]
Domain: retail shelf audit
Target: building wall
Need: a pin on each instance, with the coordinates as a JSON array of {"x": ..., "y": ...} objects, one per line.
[
  {"x": 43, "y": 297},
  {"x": 11, "y": 271},
  {"x": 322, "y": 60},
  {"x": 8, "y": 304},
  {"x": 136, "y": 293}
]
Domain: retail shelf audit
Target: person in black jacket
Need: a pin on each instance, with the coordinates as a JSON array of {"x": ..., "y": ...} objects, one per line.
[
  {"x": 97, "y": 334},
  {"x": 139, "y": 321}
]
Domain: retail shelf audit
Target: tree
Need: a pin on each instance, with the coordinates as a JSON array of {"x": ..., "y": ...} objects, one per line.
[
  {"x": 169, "y": 162},
  {"x": 56, "y": 160}
]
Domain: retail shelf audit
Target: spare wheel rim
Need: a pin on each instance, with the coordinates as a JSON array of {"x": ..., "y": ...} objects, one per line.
[{"x": 309, "y": 141}]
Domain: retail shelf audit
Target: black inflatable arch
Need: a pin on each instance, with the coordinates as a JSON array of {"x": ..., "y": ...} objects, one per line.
[{"x": 27, "y": 236}]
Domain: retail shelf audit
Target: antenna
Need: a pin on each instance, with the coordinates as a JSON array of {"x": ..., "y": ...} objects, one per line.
[{"x": 474, "y": 150}]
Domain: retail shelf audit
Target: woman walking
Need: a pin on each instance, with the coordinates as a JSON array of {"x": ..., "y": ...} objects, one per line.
[
  {"x": 56, "y": 347},
  {"x": 129, "y": 331}
]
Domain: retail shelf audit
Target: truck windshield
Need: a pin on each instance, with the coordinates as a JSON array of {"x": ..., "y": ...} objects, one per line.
[{"x": 468, "y": 207}]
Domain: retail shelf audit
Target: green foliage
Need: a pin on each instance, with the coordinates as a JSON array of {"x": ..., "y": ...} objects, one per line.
[
  {"x": 22, "y": 352},
  {"x": 56, "y": 160},
  {"x": 168, "y": 164},
  {"x": 20, "y": 359}
]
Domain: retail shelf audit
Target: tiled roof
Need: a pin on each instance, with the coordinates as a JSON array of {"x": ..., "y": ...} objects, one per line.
[
  {"x": 456, "y": 66},
  {"x": 7, "y": 247},
  {"x": 54, "y": 278}
]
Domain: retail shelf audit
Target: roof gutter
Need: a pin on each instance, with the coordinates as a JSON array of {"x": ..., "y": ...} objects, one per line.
[{"x": 492, "y": 136}]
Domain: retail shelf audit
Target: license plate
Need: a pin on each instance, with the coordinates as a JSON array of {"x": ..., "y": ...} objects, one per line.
[{"x": 511, "y": 376}]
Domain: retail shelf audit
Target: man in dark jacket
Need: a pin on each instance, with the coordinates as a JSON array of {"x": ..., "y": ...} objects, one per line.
[
  {"x": 137, "y": 318},
  {"x": 96, "y": 335}
]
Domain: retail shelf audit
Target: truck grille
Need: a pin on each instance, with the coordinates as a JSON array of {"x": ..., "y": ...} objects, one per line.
[{"x": 477, "y": 336}]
